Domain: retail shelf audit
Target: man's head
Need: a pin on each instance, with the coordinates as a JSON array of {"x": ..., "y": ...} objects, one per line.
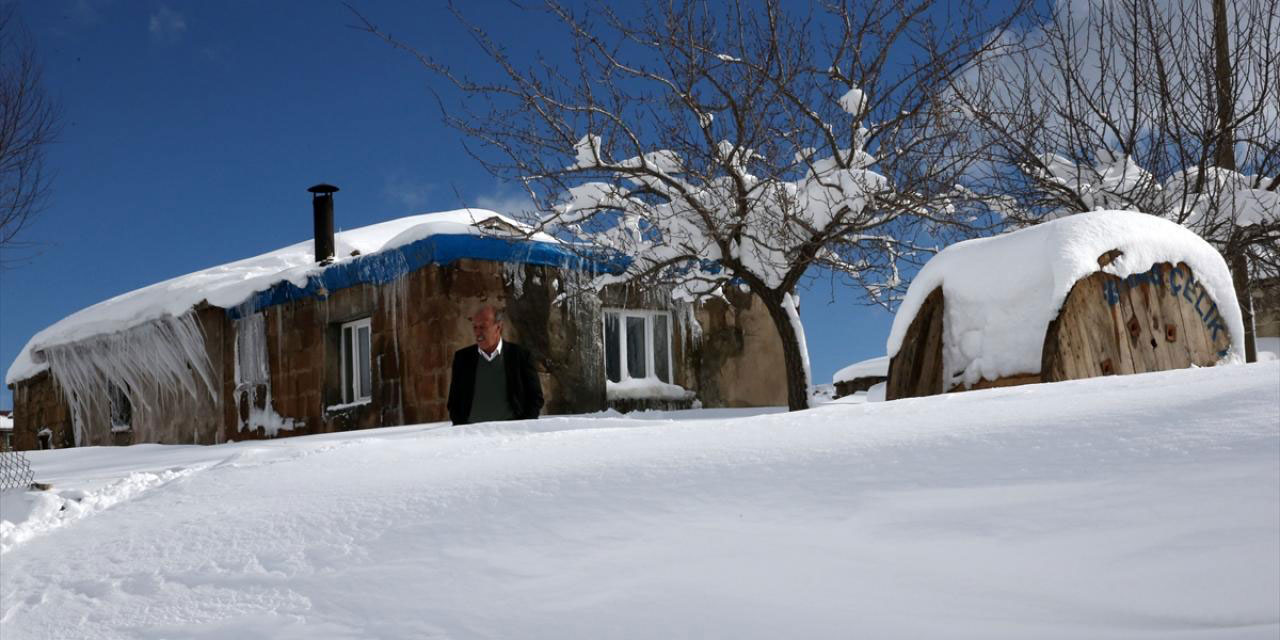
[{"x": 487, "y": 325}]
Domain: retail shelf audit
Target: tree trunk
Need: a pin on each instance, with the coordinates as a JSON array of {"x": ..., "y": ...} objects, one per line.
[
  {"x": 1224, "y": 149},
  {"x": 1224, "y": 158},
  {"x": 793, "y": 359},
  {"x": 1240, "y": 278}
]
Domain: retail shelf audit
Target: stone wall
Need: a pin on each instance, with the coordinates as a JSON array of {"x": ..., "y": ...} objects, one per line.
[
  {"x": 738, "y": 359},
  {"x": 38, "y": 404},
  {"x": 560, "y": 324},
  {"x": 416, "y": 323},
  {"x": 1266, "y": 307}
]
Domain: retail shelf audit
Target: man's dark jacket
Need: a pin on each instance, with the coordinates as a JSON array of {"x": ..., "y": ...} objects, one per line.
[{"x": 524, "y": 390}]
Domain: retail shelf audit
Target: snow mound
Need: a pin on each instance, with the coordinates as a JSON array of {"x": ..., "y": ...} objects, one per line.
[
  {"x": 1001, "y": 293},
  {"x": 645, "y": 388},
  {"x": 877, "y": 392},
  {"x": 230, "y": 284},
  {"x": 871, "y": 367}
]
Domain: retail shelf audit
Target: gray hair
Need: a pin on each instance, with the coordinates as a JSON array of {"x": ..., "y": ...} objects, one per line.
[{"x": 498, "y": 314}]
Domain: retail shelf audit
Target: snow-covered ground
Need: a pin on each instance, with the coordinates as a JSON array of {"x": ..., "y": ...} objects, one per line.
[{"x": 1143, "y": 506}]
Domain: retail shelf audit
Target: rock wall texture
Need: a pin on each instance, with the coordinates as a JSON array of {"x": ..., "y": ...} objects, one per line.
[{"x": 738, "y": 348}]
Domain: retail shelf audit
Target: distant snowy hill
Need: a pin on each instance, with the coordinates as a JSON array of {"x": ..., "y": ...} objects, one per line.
[{"x": 1143, "y": 506}]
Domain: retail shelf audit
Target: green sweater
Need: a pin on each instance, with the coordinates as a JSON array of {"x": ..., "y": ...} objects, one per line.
[{"x": 489, "y": 403}]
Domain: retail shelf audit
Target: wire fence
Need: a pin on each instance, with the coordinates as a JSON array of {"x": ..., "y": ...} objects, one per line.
[{"x": 15, "y": 471}]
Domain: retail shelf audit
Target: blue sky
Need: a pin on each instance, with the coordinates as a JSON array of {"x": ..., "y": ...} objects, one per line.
[{"x": 191, "y": 131}]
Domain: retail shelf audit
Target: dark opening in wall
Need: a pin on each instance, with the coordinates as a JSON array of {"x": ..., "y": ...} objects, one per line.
[{"x": 121, "y": 408}]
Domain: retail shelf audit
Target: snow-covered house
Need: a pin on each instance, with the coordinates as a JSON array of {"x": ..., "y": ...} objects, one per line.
[
  {"x": 283, "y": 344},
  {"x": 861, "y": 376},
  {"x": 1099, "y": 293}
]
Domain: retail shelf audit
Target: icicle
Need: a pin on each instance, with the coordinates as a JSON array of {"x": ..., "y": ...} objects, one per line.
[
  {"x": 166, "y": 355},
  {"x": 574, "y": 284},
  {"x": 690, "y": 328},
  {"x": 251, "y": 350},
  {"x": 397, "y": 292},
  {"x": 513, "y": 273},
  {"x": 252, "y": 373}
]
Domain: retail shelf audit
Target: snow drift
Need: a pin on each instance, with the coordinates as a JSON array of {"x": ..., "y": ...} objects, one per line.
[{"x": 1143, "y": 506}]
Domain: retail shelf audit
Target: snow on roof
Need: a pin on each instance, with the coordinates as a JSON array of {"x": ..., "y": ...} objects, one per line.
[
  {"x": 873, "y": 367},
  {"x": 231, "y": 284},
  {"x": 1001, "y": 293},
  {"x": 6, "y": 423}
]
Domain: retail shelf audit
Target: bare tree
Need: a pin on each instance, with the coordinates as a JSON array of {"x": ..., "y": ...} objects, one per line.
[
  {"x": 738, "y": 144},
  {"x": 28, "y": 123},
  {"x": 1170, "y": 108}
]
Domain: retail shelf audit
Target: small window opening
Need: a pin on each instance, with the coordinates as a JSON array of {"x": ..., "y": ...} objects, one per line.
[{"x": 121, "y": 409}]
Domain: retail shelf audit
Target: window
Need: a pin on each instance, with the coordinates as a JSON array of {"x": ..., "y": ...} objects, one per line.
[
  {"x": 637, "y": 344},
  {"x": 121, "y": 409},
  {"x": 357, "y": 382}
]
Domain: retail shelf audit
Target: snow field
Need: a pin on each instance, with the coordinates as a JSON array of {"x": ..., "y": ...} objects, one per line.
[{"x": 1134, "y": 507}]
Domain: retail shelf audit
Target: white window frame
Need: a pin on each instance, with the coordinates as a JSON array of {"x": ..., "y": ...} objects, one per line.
[
  {"x": 351, "y": 349},
  {"x": 651, "y": 371}
]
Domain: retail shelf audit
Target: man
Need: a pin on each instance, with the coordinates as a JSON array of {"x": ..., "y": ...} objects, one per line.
[{"x": 493, "y": 380}]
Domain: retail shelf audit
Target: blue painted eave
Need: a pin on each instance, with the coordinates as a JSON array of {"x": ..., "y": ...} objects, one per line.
[{"x": 443, "y": 249}]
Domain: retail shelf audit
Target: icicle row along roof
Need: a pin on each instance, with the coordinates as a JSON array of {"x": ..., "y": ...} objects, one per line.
[{"x": 377, "y": 253}]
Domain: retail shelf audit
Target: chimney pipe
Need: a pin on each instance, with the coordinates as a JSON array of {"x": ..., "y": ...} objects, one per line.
[{"x": 322, "y": 207}]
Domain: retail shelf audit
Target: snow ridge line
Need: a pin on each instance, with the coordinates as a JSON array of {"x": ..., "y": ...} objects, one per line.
[{"x": 53, "y": 510}]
